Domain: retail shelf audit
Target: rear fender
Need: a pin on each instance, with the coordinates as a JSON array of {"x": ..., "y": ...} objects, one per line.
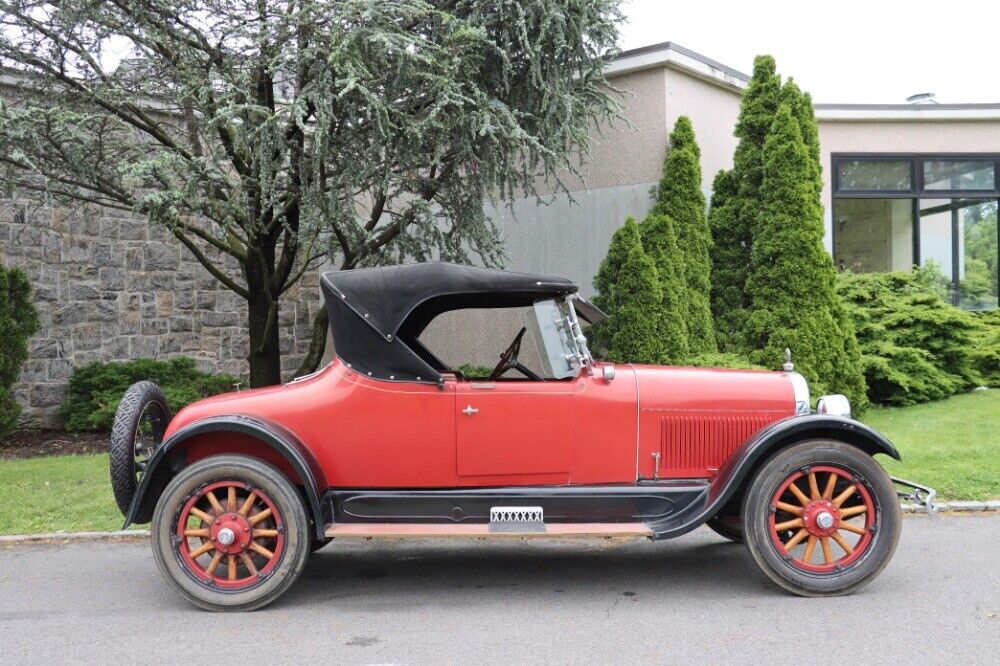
[
  {"x": 169, "y": 458},
  {"x": 742, "y": 466}
]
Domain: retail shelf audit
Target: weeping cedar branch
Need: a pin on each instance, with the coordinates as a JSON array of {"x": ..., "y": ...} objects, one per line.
[{"x": 276, "y": 136}]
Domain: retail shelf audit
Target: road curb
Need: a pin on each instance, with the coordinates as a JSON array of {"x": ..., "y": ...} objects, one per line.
[
  {"x": 955, "y": 507},
  {"x": 138, "y": 535},
  {"x": 120, "y": 535}
]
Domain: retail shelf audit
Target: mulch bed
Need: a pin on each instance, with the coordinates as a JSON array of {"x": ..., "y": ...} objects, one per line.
[{"x": 37, "y": 443}]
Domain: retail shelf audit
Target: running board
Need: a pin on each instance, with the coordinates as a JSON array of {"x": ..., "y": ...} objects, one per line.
[{"x": 482, "y": 531}]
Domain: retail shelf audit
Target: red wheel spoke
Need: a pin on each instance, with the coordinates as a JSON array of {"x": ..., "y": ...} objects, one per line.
[
  {"x": 265, "y": 533},
  {"x": 789, "y": 524},
  {"x": 853, "y": 528},
  {"x": 257, "y": 517},
  {"x": 205, "y": 518},
  {"x": 795, "y": 540},
  {"x": 214, "y": 501},
  {"x": 257, "y": 548},
  {"x": 813, "y": 486},
  {"x": 853, "y": 511},
  {"x": 231, "y": 573},
  {"x": 810, "y": 547},
  {"x": 842, "y": 543},
  {"x": 248, "y": 563},
  {"x": 197, "y": 533},
  {"x": 231, "y": 499},
  {"x": 830, "y": 483},
  {"x": 827, "y": 555},
  {"x": 790, "y": 508},
  {"x": 801, "y": 496},
  {"x": 248, "y": 504},
  {"x": 842, "y": 497},
  {"x": 214, "y": 564}
]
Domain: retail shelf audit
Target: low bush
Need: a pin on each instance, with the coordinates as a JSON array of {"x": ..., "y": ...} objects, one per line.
[
  {"x": 723, "y": 360},
  {"x": 916, "y": 347},
  {"x": 96, "y": 388},
  {"x": 18, "y": 322},
  {"x": 986, "y": 351}
]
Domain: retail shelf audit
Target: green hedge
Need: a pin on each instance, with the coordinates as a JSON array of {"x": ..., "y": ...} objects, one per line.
[
  {"x": 18, "y": 322},
  {"x": 917, "y": 347},
  {"x": 95, "y": 389}
]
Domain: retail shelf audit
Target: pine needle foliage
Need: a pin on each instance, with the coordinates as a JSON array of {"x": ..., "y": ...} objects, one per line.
[
  {"x": 659, "y": 241},
  {"x": 791, "y": 283},
  {"x": 18, "y": 322},
  {"x": 679, "y": 197}
]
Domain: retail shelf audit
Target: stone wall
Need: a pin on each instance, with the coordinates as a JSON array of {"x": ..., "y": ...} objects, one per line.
[{"x": 112, "y": 287}]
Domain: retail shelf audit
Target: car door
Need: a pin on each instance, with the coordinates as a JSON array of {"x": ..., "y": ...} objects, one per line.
[{"x": 516, "y": 432}]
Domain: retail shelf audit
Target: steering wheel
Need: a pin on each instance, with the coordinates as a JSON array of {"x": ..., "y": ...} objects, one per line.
[{"x": 508, "y": 360}]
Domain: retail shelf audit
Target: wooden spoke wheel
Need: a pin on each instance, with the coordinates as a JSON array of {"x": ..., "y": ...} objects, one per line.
[
  {"x": 821, "y": 518},
  {"x": 230, "y": 532},
  {"x": 230, "y": 535}
]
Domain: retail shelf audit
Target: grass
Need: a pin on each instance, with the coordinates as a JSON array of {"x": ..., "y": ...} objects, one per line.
[
  {"x": 71, "y": 493},
  {"x": 952, "y": 445}
]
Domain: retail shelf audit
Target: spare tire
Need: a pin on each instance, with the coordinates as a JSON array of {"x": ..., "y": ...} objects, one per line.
[{"x": 132, "y": 442}]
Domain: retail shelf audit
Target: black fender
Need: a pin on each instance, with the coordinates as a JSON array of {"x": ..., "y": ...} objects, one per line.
[
  {"x": 741, "y": 466},
  {"x": 162, "y": 465}
]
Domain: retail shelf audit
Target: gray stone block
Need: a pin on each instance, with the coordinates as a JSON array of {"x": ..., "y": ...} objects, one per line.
[{"x": 47, "y": 395}]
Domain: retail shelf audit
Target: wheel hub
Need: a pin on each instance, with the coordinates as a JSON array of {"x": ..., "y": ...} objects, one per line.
[
  {"x": 231, "y": 533},
  {"x": 821, "y": 518}
]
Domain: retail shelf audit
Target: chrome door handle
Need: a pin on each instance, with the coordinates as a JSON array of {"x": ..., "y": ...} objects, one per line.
[{"x": 470, "y": 410}]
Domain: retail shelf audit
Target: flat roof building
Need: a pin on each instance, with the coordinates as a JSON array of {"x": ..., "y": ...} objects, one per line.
[{"x": 904, "y": 184}]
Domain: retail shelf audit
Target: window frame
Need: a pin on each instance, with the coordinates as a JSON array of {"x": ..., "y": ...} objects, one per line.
[{"x": 915, "y": 194}]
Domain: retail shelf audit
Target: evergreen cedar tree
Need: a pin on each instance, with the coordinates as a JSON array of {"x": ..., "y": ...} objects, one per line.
[
  {"x": 733, "y": 224},
  {"x": 636, "y": 334},
  {"x": 679, "y": 197},
  {"x": 791, "y": 282},
  {"x": 659, "y": 241},
  {"x": 316, "y": 132},
  {"x": 18, "y": 322}
]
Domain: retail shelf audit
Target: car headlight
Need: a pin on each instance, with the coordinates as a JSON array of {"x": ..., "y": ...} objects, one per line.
[
  {"x": 835, "y": 404},
  {"x": 800, "y": 387}
]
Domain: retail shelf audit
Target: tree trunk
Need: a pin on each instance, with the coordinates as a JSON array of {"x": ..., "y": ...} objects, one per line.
[{"x": 265, "y": 354}]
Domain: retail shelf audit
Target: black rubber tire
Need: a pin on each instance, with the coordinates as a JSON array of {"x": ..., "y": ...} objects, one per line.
[
  {"x": 756, "y": 513},
  {"x": 256, "y": 473},
  {"x": 124, "y": 473},
  {"x": 728, "y": 527}
]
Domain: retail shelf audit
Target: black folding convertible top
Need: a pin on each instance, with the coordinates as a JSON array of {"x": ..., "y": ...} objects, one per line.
[{"x": 377, "y": 314}]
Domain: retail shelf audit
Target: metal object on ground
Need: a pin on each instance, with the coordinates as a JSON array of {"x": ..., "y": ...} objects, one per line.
[{"x": 922, "y": 496}]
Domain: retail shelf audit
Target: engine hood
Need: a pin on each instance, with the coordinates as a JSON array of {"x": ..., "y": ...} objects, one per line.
[{"x": 716, "y": 390}]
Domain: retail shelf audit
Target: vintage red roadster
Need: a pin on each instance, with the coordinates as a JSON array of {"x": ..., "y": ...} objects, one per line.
[{"x": 389, "y": 440}]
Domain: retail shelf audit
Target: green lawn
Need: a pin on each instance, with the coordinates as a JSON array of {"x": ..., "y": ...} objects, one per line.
[
  {"x": 71, "y": 493},
  {"x": 953, "y": 446}
]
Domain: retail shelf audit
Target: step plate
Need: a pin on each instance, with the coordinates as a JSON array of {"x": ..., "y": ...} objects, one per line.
[{"x": 482, "y": 531}]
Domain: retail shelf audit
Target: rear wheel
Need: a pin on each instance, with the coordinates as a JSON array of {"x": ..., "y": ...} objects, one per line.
[
  {"x": 230, "y": 533},
  {"x": 140, "y": 421},
  {"x": 821, "y": 518}
]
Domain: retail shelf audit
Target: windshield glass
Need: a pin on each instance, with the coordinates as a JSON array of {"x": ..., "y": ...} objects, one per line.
[{"x": 561, "y": 351}]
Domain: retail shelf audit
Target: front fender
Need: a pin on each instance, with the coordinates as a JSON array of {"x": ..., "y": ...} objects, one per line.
[
  {"x": 741, "y": 466},
  {"x": 162, "y": 465}
]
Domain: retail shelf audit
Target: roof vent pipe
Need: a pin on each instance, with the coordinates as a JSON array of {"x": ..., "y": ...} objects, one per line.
[{"x": 922, "y": 98}]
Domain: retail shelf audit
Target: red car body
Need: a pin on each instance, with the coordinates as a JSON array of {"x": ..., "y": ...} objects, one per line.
[{"x": 388, "y": 440}]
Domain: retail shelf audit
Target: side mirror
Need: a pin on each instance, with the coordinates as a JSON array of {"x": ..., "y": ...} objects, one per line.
[{"x": 608, "y": 373}]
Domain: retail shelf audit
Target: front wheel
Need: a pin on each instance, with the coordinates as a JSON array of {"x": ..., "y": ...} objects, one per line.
[
  {"x": 230, "y": 533},
  {"x": 821, "y": 518}
]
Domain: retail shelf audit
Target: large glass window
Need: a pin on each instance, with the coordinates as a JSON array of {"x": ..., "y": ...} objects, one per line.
[
  {"x": 891, "y": 212},
  {"x": 863, "y": 175},
  {"x": 873, "y": 235},
  {"x": 958, "y": 175}
]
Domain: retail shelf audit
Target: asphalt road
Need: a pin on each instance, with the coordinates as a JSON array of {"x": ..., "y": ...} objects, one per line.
[{"x": 696, "y": 599}]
